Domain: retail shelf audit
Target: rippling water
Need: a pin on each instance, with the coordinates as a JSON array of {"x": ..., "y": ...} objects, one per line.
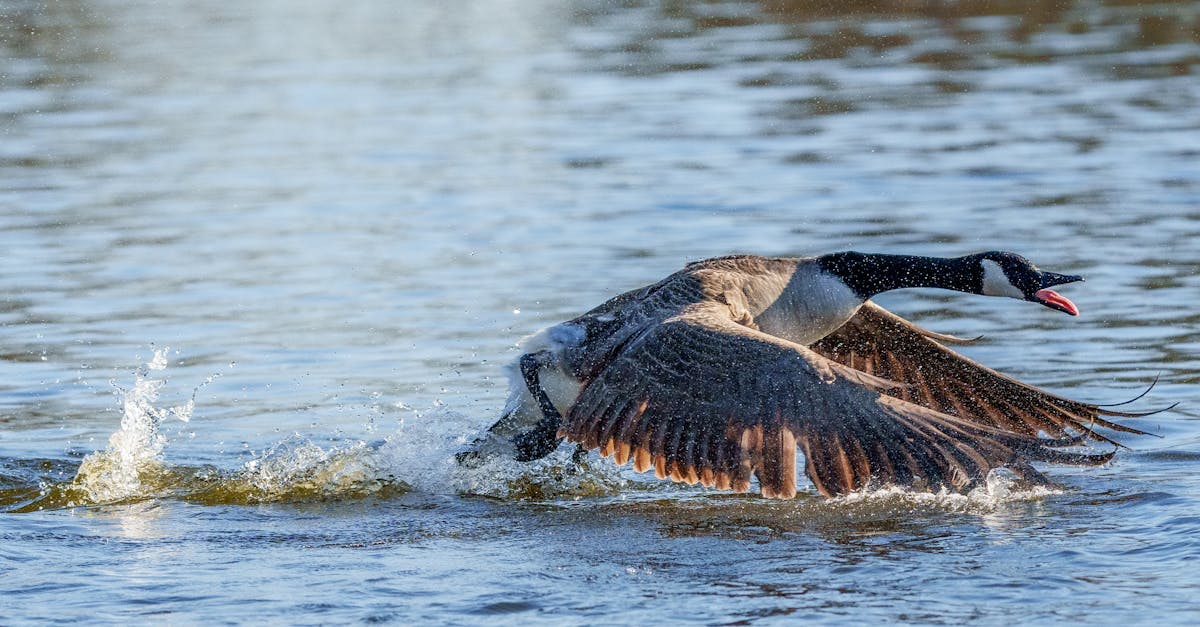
[{"x": 263, "y": 262}]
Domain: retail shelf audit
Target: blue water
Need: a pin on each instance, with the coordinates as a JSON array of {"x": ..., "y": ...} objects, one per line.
[{"x": 263, "y": 264}]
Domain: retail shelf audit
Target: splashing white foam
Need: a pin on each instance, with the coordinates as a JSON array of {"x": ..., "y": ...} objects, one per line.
[
  {"x": 421, "y": 450},
  {"x": 555, "y": 476},
  {"x": 418, "y": 455},
  {"x": 999, "y": 488},
  {"x": 116, "y": 473},
  {"x": 298, "y": 469},
  {"x": 422, "y": 454},
  {"x": 134, "y": 454}
]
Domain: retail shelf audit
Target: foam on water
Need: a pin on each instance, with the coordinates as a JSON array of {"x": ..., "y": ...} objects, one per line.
[{"x": 1000, "y": 488}]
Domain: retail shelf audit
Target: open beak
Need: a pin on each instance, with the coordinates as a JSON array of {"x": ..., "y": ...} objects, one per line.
[{"x": 1053, "y": 299}]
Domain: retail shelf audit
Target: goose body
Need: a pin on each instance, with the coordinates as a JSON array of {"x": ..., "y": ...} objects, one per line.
[{"x": 725, "y": 369}]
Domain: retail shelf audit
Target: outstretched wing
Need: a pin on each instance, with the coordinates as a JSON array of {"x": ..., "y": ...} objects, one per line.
[
  {"x": 702, "y": 399},
  {"x": 881, "y": 343}
]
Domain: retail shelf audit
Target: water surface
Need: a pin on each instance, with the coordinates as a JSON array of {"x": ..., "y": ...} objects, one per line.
[{"x": 263, "y": 264}]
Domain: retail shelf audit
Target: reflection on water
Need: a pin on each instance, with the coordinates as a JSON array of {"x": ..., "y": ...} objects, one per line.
[{"x": 351, "y": 212}]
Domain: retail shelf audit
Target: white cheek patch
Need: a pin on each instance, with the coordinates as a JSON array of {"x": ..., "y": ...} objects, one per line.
[{"x": 995, "y": 283}]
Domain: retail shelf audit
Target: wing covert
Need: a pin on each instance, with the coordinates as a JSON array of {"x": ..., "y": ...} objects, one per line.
[{"x": 884, "y": 344}]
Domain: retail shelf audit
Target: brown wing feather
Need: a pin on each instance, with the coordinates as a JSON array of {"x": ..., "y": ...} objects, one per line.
[
  {"x": 884, "y": 344},
  {"x": 699, "y": 398}
]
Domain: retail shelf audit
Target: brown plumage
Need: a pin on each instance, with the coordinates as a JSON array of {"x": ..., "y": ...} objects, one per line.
[
  {"x": 702, "y": 379},
  {"x": 884, "y": 344}
]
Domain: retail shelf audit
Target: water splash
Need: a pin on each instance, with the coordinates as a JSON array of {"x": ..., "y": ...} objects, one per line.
[
  {"x": 132, "y": 464},
  {"x": 418, "y": 455},
  {"x": 556, "y": 476},
  {"x": 423, "y": 449},
  {"x": 1000, "y": 488},
  {"x": 132, "y": 467},
  {"x": 297, "y": 469}
]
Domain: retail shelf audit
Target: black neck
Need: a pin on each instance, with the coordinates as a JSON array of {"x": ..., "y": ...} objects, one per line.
[{"x": 869, "y": 274}]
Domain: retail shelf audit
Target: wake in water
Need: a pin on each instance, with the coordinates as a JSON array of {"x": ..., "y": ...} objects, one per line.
[{"x": 419, "y": 455}]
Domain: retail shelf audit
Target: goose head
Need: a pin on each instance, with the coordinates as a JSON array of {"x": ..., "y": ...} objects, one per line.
[{"x": 1009, "y": 274}]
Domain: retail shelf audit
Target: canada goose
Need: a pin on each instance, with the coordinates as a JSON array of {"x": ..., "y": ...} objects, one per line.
[{"x": 725, "y": 368}]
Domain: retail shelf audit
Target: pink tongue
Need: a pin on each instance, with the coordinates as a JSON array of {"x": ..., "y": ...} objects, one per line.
[{"x": 1051, "y": 296}]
